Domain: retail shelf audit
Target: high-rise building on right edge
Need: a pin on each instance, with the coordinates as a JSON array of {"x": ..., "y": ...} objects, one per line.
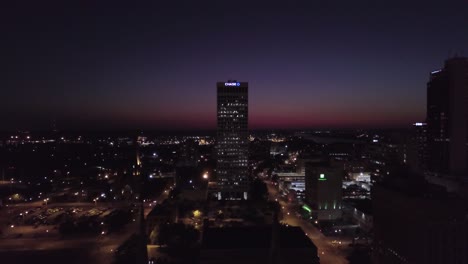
[
  {"x": 447, "y": 119},
  {"x": 232, "y": 140},
  {"x": 419, "y": 219}
]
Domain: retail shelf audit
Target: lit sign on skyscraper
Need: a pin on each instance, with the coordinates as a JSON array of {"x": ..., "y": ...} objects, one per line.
[{"x": 232, "y": 84}]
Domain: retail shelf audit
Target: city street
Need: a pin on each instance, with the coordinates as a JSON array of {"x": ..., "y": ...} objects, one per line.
[{"x": 328, "y": 253}]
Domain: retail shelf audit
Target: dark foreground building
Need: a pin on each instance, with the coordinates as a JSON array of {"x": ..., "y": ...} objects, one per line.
[
  {"x": 257, "y": 245},
  {"x": 417, "y": 222},
  {"x": 232, "y": 140}
]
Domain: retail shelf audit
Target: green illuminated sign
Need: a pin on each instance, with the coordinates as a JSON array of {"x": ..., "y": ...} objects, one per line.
[
  {"x": 307, "y": 208},
  {"x": 322, "y": 177}
]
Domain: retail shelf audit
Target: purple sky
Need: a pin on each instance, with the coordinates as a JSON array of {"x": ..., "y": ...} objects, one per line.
[{"x": 308, "y": 63}]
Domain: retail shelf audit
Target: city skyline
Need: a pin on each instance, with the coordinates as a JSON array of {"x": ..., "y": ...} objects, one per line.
[
  {"x": 346, "y": 65},
  {"x": 236, "y": 131}
]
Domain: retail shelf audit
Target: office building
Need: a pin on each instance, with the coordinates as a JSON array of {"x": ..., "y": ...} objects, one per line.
[
  {"x": 292, "y": 183},
  {"x": 447, "y": 118},
  {"x": 323, "y": 189},
  {"x": 232, "y": 140},
  {"x": 419, "y": 155}
]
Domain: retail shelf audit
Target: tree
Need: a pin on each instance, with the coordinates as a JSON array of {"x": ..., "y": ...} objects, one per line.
[
  {"x": 153, "y": 236},
  {"x": 177, "y": 235}
]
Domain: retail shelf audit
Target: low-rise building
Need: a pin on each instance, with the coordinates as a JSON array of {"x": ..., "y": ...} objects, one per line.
[{"x": 257, "y": 245}]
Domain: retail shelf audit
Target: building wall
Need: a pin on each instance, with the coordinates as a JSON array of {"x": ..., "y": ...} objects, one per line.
[
  {"x": 458, "y": 82},
  {"x": 366, "y": 222}
]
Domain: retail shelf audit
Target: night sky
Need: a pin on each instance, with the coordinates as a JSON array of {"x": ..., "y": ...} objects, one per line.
[{"x": 309, "y": 64}]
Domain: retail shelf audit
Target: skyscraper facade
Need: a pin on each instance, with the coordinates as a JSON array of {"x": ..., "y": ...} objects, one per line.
[
  {"x": 232, "y": 140},
  {"x": 447, "y": 118}
]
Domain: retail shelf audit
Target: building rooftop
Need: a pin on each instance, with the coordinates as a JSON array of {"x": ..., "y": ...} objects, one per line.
[
  {"x": 254, "y": 237},
  {"x": 414, "y": 185}
]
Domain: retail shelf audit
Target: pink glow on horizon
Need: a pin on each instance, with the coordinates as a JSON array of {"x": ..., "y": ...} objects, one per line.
[{"x": 261, "y": 116}]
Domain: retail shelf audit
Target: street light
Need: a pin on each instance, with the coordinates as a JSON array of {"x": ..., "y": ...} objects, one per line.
[
  {"x": 196, "y": 213},
  {"x": 205, "y": 175}
]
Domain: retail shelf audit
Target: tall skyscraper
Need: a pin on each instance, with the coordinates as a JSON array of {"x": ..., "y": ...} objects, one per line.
[
  {"x": 418, "y": 147},
  {"x": 232, "y": 140},
  {"x": 447, "y": 118}
]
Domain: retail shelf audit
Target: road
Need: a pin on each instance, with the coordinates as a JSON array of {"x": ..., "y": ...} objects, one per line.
[
  {"x": 328, "y": 253},
  {"x": 116, "y": 204}
]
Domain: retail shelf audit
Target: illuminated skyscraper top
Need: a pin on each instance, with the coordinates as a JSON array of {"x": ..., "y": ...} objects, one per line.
[{"x": 232, "y": 140}]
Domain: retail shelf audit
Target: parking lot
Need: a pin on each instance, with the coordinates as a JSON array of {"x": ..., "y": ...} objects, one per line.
[{"x": 52, "y": 221}]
